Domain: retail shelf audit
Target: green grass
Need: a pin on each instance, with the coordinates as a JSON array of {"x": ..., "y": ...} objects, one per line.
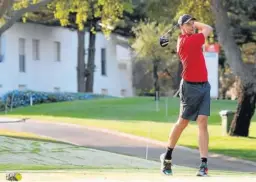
[
  {"x": 137, "y": 115},
  {"x": 138, "y": 109},
  {"x": 19, "y": 167},
  {"x": 28, "y": 136},
  {"x": 36, "y": 138},
  {"x": 4, "y": 167}
]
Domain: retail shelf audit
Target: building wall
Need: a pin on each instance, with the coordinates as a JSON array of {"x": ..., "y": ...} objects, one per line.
[
  {"x": 212, "y": 63},
  {"x": 48, "y": 74}
]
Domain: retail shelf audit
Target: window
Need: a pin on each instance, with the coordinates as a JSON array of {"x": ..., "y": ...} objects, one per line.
[
  {"x": 1, "y": 50},
  {"x": 103, "y": 62},
  {"x": 22, "y": 58},
  {"x": 36, "y": 50},
  {"x": 104, "y": 91},
  {"x": 22, "y": 87},
  {"x": 1, "y": 45},
  {"x": 123, "y": 92},
  {"x": 57, "y": 51},
  {"x": 56, "y": 89},
  {"x": 122, "y": 66}
]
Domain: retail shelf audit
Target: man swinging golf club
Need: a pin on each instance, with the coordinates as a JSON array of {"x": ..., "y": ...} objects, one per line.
[{"x": 194, "y": 90}]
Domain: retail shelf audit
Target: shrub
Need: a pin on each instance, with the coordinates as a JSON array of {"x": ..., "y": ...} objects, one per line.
[{"x": 22, "y": 98}]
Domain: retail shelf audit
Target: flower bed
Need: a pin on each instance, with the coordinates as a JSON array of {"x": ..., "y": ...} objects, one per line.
[{"x": 23, "y": 98}]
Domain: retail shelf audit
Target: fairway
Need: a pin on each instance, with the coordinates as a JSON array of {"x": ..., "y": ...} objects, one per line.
[
  {"x": 137, "y": 108},
  {"x": 24, "y": 153},
  {"x": 143, "y": 117},
  {"x": 39, "y": 159}
]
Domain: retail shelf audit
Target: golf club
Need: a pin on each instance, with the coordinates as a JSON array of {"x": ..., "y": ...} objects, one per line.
[{"x": 164, "y": 40}]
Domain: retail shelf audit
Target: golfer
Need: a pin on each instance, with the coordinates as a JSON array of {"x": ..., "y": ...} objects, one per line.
[{"x": 194, "y": 91}]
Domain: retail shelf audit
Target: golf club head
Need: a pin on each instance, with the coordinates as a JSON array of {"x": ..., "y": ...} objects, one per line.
[{"x": 164, "y": 41}]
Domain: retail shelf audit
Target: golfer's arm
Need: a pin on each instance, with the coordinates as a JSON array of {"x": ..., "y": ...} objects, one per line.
[{"x": 203, "y": 28}]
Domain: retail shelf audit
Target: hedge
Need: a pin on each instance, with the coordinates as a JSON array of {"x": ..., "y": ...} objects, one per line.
[{"x": 18, "y": 98}]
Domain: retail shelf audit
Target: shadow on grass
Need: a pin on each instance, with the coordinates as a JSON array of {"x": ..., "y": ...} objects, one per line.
[
  {"x": 252, "y": 137},
  {"x": 239, "y": 153}
]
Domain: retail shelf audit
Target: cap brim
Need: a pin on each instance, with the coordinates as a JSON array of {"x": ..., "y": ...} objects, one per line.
[{"x": 189, "y": 20}]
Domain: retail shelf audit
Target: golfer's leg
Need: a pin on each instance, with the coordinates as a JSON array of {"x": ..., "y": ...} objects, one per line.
[
  {"x": 174, "y": 136},
  {"x": 177, "y": 130},
  {"x": 178, "y": 127},
  {"x": 188, "y": 111},
  {"x": 203, "y": 135},
  {"x": 202, "y": 120},
  {"x": 175, "y": 133}
]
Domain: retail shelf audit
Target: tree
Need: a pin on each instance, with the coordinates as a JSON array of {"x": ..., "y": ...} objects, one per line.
[
  {"x": 146, "y": 45},
  {"x": 12, "y": 10},
  {"x": 107, "y": 12},
  {"x": 247, "y": 98},
  {"x": 131, "y": 19},
  {"x": 161, "y": 11},
  {"x": 83, "y": 16},
  {"x": 4, "y": 5}
]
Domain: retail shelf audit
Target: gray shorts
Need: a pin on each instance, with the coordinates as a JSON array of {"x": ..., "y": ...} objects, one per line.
[{"x": 195, "y": 100}]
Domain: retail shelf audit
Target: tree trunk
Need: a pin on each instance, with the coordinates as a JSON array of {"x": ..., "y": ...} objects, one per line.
[
  {"x": 178, "y": 77},
  {"x": 91, "y": 60},
  {"x": 5, "y": 6},
  {"x": 245, "y": 111},
  {"x": 227, "y": 41},
  {"x": 246, "y": 104},
  {"x": 81, "y": 61},
  {"x": 156, "y": 79}
]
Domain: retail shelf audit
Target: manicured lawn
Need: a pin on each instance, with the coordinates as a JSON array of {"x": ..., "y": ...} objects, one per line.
[
  {"x": 4, "y": 167},
  {"x": 24, "y": 135},
  {"x": 139, "y": 116},
  {"x": 25, "y": 151},
  {"x": 139, "y": 109},
  {"x": 29, "y": 137}
]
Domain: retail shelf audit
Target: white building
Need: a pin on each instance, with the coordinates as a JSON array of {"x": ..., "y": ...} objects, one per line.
[{"x": 43, "y": 58}]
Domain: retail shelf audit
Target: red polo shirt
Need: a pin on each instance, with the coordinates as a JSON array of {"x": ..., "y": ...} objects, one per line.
[{"x": 189, "y": 49}]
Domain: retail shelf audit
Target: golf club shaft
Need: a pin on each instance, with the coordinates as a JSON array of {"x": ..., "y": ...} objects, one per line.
[{"x": 170, "y": 30}]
